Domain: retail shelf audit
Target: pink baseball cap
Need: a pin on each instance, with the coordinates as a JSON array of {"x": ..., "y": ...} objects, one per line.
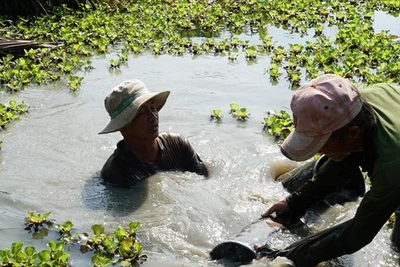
[{"x": 320, "y": 107}]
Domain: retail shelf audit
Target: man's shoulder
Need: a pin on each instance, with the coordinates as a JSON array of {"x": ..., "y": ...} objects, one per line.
[
  {"x": 378, "y": 88},
  {"x": 169, "y": 136},
  {"x": 382, "y": 96},
  {"x": 112, "y": 169},
  {"x": 173, "y": 141}
]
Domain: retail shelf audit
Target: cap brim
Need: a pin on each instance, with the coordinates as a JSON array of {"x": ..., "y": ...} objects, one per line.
[
  {"x": 299, "y": 147},
  {"x": 129, "y": 113}
]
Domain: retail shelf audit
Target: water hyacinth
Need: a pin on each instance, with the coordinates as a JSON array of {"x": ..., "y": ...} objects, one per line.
[
  {"x": 278, "y": 124},
  {"x": 356, "y": 51},
  {"x": 120, "y": 247}
]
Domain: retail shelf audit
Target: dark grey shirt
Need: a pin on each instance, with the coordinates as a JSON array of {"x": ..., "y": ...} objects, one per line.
[{"x": 175, "y": 153}]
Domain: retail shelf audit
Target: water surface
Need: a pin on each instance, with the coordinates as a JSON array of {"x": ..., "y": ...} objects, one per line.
[{"x": 52, "y": 157}]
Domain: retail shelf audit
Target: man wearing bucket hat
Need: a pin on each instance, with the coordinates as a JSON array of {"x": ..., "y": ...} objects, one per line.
[
  {"x": 354, "y": 129},
  {"x": 143, "y": 151}
]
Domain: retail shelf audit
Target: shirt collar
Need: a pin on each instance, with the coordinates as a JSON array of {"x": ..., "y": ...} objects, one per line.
[{"x": 129, "y": 156}]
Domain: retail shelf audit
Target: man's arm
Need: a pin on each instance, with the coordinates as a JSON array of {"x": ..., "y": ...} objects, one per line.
[
  {"x": 331, "y": 177},
  {"x": 184, "y": 154},
  {"x": 348, "y": 237},
  {"x": 193, "y": 162}
]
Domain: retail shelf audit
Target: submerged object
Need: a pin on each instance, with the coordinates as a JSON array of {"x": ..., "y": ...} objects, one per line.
[
  {"x": 234, "y": 251},
  {"x": 241, "y": 247}
]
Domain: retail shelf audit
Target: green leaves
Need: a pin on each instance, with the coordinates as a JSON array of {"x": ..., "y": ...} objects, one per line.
[
  {"x": 279, "y": 125},
  {"x": 115, "y": 63},
  {"x": 236, "y": 112},
  {"x": 17, "y": 256},
  {"x": 74, "y": 82},
  {"x": 125, "y": 247},
  {"x": 11, "y": 112},
  {"x": 97, "y": 229},
  {"x": 39, "y": 218},
  {"x": 29, "y": 251},
  {"x": 133, "y": 226},
  {"x": 216, "y": 115},
  {"x": 274, "y": 71},
  {"x": 234, "y": 107},
  {"x": 232, "y": 56},
  {"x": 251, "y": 53},
  {"x": 65, "y": 228},
  {"x": 172, "y": 28},
  {"x": 121, "y": 233},
  {"x": 16, "y": 247},
  {"x": 119, "y": 247},
  {"x": 241, "y": 114},
  {"x": 37, "y": 221}
]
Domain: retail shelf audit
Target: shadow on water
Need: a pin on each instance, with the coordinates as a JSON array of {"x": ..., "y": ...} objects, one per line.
[{"x": 98, "y": 195}]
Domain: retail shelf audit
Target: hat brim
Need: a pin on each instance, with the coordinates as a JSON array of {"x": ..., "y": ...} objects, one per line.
[
  {"x": 129, "y": 113},
  {"x": 299, "y": 147}
]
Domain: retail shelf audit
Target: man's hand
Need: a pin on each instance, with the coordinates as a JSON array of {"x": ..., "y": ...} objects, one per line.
[{"x": 279, "y": 207}]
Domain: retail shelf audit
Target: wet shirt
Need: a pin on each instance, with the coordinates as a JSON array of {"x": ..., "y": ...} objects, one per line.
[
  {"x": 381, "y": 159},
  {"x": 175, "y": 153}
]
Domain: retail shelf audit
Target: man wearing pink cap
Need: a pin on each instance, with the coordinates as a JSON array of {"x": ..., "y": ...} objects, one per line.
[{"x": 354, "y": 129}]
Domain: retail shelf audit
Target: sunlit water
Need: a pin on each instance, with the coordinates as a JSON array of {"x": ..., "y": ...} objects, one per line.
[{"x": 52, "y": 157}]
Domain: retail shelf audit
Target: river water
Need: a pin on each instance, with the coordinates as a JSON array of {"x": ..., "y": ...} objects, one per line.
[{"x": 51, "y": 160}]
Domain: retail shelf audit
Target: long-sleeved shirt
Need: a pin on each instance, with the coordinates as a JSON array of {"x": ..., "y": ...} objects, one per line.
[
  {"x": 124, "y": 169},
  {"x": 381, "y": 159}
]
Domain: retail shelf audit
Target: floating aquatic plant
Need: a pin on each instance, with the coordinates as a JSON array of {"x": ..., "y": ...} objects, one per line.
[
  {"x": 251, "y": 53},
  {"x": 278, "y": 124},
  {"x": 115, "y": 63},
  {"x": 356, "y": 51},
  {"x": 274, "y": 71},
  {"x": 232, "y": 56},
  {"x": 17, "y": 255},
  {"x": 36, "y": 221},
  {"x": 268, "y": 44},
  {"x": 74, "y": 82},
  {"x": 216, "y": 115},
  {"x": 233, "y": 107},
  {"x": 11, "y": 111},
  {"x": 120, "y": 247},
  {"x": 241, "y": 114}
]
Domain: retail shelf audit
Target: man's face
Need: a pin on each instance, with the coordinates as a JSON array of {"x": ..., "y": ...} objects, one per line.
[
  {"x": 337, "y": 148},
  {"x": 145, "y": 125}
]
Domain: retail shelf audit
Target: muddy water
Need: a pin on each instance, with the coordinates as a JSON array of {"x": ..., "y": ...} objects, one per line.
[{"x": 51, "y": 160}]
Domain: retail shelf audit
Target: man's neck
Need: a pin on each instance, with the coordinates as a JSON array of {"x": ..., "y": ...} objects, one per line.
[{"x": 144, "y": 150}]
